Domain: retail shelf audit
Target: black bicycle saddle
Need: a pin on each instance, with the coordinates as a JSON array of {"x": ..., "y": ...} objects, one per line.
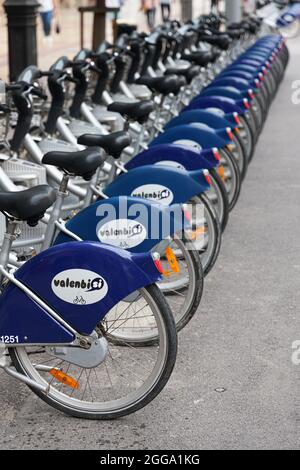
[
  {"x": 189, "y": 73},
  {"x": 29, "y": 205},
  {"x": 82, "y": 163},
  {"x": 163, "y": 85},
  {"x": 138, "y": 111},
  {"x": 113, "y": 144}
]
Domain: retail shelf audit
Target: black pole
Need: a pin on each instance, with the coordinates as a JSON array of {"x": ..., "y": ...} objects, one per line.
[
  {"x": 21, "y": 25},
  {"x": 186, "y": 10}
]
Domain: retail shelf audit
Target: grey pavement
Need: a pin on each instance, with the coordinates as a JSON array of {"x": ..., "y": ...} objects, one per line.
[{"x": 240, "y": 341}]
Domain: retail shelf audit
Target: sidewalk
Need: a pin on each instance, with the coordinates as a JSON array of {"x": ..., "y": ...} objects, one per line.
[{"x": 68, "y": 42}]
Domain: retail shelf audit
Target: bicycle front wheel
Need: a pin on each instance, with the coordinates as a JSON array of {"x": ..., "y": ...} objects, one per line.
[{"x": 126, "y": 380}]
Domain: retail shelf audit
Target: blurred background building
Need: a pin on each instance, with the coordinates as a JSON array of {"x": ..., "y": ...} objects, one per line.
[{"x": 66, "y": 26}]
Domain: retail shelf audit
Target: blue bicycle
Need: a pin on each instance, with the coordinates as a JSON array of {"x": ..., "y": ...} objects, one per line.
[{"x": 61, "y": 312}]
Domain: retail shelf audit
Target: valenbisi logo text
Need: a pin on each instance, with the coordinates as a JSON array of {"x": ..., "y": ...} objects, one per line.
[
  {"x": 124, "y": 233},
  {"x": 171, "y": 163},
  {"x": 154, "y": 192},
  {"x": 189, "y": 143},
  {"x": 79, "y": 286}
]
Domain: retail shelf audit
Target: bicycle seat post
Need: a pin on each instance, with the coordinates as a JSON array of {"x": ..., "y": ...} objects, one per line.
[
  {"x": 62, "y": 193},
  {"x": 12, "y": 232},
  {"x": 127, "y": 122},
  {"x": 159, "y": 100},
  {"x": 140, "y": 140}
]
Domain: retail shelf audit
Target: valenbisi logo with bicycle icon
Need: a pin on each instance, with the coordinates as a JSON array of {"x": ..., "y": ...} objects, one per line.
[
  {"x": 79, "y": 286},
  {"x": 123, "y": 233},
  {"x": 154, "y": 192}
]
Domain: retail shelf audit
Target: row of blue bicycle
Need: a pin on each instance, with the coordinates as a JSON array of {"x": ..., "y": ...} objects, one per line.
[{"x": 118, "y": 172}]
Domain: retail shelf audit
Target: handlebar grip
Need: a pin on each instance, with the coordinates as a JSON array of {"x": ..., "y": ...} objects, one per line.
[
  {"x": 47, "y": 74},
  {"x": 13, "y": 87},
  {"x": 39, "y": 93},
  {"x": 94, "y": 68},
  {"x": 78, "y": 62},
  {"x": 71, "y": 79},
  {"x": 5, "y": 109}
]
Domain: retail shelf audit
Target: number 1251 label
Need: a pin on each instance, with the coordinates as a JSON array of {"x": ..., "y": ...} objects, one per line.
[{"x": 9, "y": 339}]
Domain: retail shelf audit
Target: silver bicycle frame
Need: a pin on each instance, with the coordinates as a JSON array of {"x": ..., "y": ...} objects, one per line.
[{"x": 79, "y": 339}]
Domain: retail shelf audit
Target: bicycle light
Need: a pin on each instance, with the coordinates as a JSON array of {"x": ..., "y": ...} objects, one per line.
[
  {"x": 207, "y": 177},
  {"x": 157, "y": 262},
  {"x": 229, "y": 133},
  {"x": 216, "y": 154},
  {"x": 236, "y": 118},
  {"x": 251, "y": 94},
  {"x": 186, "y": 213},
  {"x": 246, "y": 103}
]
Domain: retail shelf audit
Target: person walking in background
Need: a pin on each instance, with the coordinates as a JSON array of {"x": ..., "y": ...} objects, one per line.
[
  {"x": 149, "y": 7},
  {"x": 214, "y": 6},
  {"x": 165, "y": 10},
  {"x": 47, "y": 12}
]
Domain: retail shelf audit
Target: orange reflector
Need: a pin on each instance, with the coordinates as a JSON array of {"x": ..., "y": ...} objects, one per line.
[
  {"x": 221, "y": 172},
  {"x": 172, "y": 260},
  {"x": 199, "y": 231},
  {"x": 64, "y": 378}
]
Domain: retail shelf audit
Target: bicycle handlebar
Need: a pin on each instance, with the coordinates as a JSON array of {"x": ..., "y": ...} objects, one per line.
[{"x": 39, "y": 93}]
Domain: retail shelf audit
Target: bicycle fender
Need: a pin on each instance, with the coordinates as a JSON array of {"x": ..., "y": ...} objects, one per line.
[
  {"x": 137, "y": 225},
  {"x": 199, "y": 116},
  {"x": 175, "y": 155},
  {"x": 81, "y": 281},
  {"x": 225, "y": 104},
  {"x": 238, "y": 74},
  {"x": 161, "y": 184},
  {"x": 204, "y": 136},
  {"x": 227, "y": 91},
  {"x": 246, "y": 68},
  {"x": 236, "y": 82}
]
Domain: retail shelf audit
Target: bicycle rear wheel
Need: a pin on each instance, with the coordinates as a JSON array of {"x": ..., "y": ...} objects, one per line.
[
  {"x": 218, "y": 197},
  {"x": 206, "y": 234},
  {"x": 231, "y": 176},
  {"x": 183, "y": 277}
]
